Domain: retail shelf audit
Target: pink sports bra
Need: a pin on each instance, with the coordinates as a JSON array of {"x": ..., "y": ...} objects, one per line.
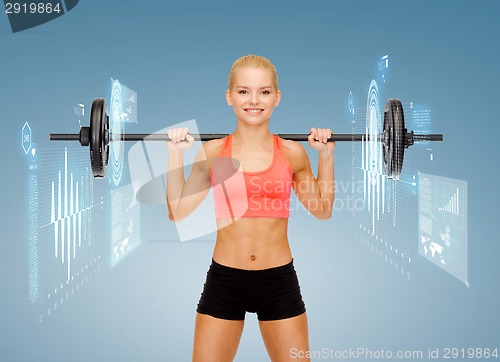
[{"x": 251, "y": 194}]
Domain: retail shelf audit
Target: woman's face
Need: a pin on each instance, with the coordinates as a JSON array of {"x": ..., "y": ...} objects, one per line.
[{"x": 253, "y": 96}]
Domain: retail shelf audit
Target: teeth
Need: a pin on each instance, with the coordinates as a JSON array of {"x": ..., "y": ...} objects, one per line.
[{"x": 253, "y": 111}]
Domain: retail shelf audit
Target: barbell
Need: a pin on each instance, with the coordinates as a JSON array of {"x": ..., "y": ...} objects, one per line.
[{"x": 394, "y": 138}]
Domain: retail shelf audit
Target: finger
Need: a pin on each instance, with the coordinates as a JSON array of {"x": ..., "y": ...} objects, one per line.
[
  {"x": 326, "y": 134},
  {"x": 318, "y": 135},
  {"x": 184, "y": 132},
  {"x": 322, "y": 135},
  {"x": 178, "y": 135},
  {"x": 330, "y": 133},
  {"x": 174, "y": 135},
  {"x": 310, "y": 137}
]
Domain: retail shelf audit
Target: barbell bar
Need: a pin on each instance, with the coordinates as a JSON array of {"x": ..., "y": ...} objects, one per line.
[{"x": 394, "y": 138}]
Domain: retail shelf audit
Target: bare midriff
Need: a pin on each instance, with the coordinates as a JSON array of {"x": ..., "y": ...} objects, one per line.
[{"x": 252, "y": 243}]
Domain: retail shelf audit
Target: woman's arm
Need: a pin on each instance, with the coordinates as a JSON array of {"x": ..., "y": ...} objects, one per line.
[
  {"x": 316, "y": 194},
  {"x": 184, "y": 196}
]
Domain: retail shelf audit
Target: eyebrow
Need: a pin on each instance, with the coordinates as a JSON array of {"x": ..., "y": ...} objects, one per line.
[{"x": 266, "y": 87}]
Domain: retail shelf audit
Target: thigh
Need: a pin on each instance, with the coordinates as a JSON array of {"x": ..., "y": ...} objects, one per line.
[
  {"x": 216, "y": 339},
  {"x": 286, "y": 338}
]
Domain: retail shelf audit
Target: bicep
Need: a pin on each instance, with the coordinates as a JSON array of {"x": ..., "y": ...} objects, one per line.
[
  {"x": 198, "y": 183},
  {"x": 195, "y": 188},
  {"x": 304, "y": 183}
]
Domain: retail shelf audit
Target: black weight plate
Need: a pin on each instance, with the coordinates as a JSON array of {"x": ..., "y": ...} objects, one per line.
[
  {"x": 99, "y": 137},
  {"x": 387, "y": 139},
  {"x": 399, "y": 137},
  {"x": 393, "y": 138}
]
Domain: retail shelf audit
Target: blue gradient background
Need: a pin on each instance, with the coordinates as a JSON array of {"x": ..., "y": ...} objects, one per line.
[{"x": 176, "y": 55}]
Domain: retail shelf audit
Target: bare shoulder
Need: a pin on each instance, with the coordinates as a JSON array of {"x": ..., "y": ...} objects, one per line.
[
  {"x": 212, "y": 148},
  {"x": 208, "y": 153},
  {"x": 292, "y": 147},
  {"x": 295, "y": 154}
]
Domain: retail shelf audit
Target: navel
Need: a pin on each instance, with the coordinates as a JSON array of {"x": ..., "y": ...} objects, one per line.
[{"x": 252, "y": 257}]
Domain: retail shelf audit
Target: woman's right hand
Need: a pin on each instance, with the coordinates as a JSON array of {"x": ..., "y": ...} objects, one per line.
[{"x": 177, "y": 137}]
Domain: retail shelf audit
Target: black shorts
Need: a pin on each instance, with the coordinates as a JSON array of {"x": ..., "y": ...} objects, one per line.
[{"x": 272, "y": 293}]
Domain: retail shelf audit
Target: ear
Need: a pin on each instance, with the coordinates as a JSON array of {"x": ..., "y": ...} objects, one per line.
[
  {"x": 278, "y": 98},
  {"x": 228, "y": 98}
]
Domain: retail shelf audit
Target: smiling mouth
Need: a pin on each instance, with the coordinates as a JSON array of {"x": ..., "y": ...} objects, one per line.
[{"x": 254, "y": 111}]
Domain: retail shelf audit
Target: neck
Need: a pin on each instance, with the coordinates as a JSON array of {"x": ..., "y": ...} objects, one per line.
[{"x": 252, "y": 135}]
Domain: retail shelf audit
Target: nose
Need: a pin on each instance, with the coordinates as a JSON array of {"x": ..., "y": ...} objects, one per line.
[{"x": 254, "y": 99}]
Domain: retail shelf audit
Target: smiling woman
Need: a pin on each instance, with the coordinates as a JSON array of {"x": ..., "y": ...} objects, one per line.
[
  {"x": 253, "y": 90},
  {"x": 252, "y": 266}
]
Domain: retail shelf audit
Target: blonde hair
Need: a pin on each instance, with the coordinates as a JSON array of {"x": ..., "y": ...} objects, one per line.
[{"x": 252, "y": 61}]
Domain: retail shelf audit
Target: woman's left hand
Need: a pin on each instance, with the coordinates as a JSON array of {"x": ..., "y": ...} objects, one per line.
[{"x": 318, "y": 139}]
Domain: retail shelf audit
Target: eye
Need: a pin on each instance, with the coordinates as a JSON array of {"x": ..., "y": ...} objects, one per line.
[
  {"x": 242, "y": 92},
  {"x": 266, "y": 92}
]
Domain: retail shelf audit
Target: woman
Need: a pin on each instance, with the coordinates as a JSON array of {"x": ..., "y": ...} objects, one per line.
[{"x": 252, "y": 172}]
